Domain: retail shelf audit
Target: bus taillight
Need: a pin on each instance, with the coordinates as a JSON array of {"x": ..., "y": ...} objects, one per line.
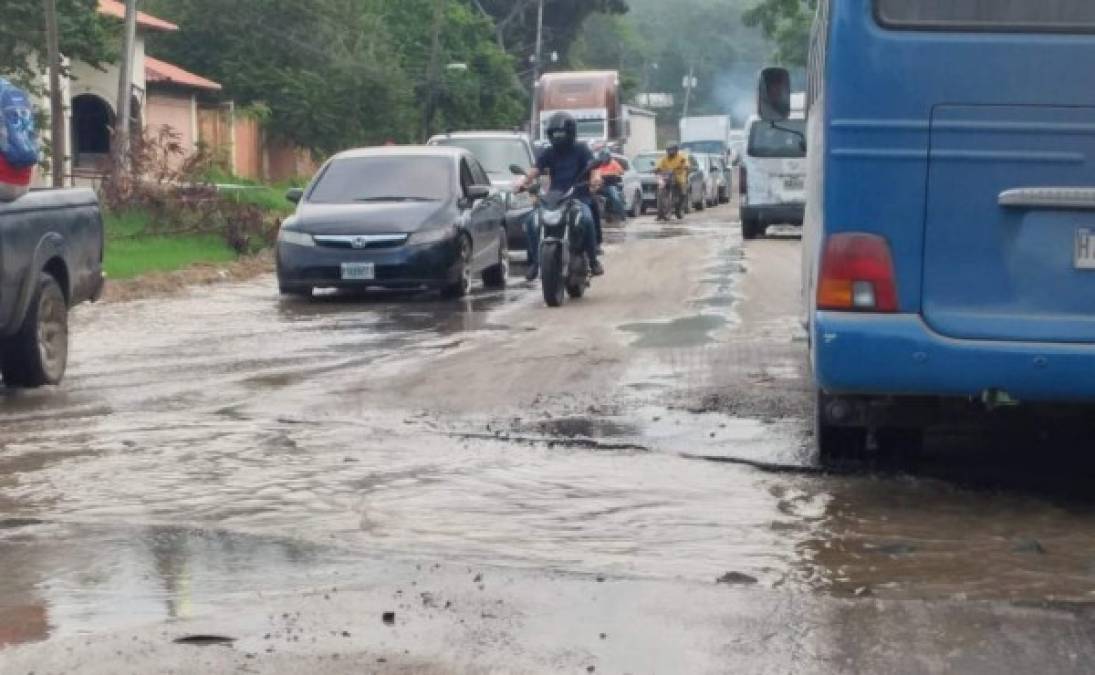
[{"x": 857, "y": 274}]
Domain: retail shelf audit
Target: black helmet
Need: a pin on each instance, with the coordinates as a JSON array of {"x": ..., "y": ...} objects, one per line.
[
  {"x": 672, "y": 149},
  {"x": 562, "y": 131}
]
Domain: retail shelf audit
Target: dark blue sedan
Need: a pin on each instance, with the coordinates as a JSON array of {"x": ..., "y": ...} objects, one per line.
[{"x": 400, "y": 217}]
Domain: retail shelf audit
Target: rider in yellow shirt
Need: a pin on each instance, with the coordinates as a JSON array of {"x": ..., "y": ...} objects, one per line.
[{"x": 677, "y": 164}]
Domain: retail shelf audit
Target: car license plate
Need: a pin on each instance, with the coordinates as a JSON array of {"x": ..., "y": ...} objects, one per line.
[
  {"x": 1084, "y": 253},
  {"x": 358, "y": 271},
  {"x": 794, "y": 183}
]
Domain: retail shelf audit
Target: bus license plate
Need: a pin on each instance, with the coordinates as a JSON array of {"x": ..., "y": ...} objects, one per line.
[
  {"x": 358, "y": 271},
  {"x": 1084, "y": 254},
  {"x": 794, "y": 183}
]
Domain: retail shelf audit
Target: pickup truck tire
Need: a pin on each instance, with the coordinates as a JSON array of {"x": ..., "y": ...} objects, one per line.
[
  {"x": 38, "y": 353},
  {"x": 750, "y": 227}
]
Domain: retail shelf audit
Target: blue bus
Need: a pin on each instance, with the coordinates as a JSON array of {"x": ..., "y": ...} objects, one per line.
[{"x": 949, "y": 242}]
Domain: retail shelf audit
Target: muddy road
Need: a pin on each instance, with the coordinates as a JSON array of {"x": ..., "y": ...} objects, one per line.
[{"x": 232, "y": 482}]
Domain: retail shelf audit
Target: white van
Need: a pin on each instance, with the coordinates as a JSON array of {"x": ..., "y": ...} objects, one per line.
[{"x": 773, "y": 176}]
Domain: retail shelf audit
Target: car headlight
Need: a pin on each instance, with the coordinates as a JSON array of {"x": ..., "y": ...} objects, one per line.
[
  {"x": 432, "y": 235},
  {"x": 552, "y": 217},
  {"x": 294, "y": 237}
]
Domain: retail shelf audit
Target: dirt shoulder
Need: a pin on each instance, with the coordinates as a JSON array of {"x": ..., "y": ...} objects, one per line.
[{"x": 157, "y": 284}]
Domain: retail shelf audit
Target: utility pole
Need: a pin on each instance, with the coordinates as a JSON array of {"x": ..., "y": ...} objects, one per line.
[
  {"x": 56, "y": 103},
  {"x": 125, "y": 87},
  {"x": 533, "y": 127},
  {"x": 689, "y": 85},
  {"x": 432, "y": 74}
]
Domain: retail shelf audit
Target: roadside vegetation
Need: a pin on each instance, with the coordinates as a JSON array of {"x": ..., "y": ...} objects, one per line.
[{"x": 170, "y": 211}]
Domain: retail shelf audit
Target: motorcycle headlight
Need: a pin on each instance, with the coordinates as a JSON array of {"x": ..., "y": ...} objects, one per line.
[
  {"x": 432, "y": 235},
  {"x": 551, "y": 217},
  {"x": 296, "y": 238}
]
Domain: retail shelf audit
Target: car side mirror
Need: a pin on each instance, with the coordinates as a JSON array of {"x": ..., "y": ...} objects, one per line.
[
  {"x": 294, "y": 195},
  {"x": 516, "y": 170},
  {"x": 774, "y": 94},
  {"x": 476, "y": 192}
]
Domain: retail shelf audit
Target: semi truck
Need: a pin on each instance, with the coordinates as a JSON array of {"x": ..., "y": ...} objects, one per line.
[{"x": 593, "y": 99}]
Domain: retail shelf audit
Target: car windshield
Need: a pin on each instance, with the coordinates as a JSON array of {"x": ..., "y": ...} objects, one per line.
[
  {"x": 780, "y": 140},
  {"x": 495, "y": 154},
  {"x": 365, "y": 179},
  {"x": 645, "y": 163}
]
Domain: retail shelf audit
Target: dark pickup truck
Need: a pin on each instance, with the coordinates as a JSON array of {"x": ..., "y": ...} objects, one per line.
[{"x": 51, "y": 258}]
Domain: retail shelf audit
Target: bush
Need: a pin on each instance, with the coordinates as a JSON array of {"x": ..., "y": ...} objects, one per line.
[{"x": 179, "y": 199}]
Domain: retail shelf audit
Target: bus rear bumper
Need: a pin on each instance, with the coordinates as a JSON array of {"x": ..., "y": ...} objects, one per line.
[{"x": 899, "y": 355}]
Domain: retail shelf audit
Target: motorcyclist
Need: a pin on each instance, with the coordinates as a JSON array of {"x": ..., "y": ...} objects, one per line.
[
  {"x": 564, "y": 161},
  {"x": 675, "y": 163},
  {"x": 611, "y": 167}
]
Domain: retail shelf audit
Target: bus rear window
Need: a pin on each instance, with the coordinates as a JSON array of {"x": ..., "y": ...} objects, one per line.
[
  {"x": 768, "y": 141},
  {"x": 1060, "y": 16}
]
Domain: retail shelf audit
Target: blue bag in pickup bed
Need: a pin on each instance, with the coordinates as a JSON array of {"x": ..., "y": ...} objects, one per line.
[{"x": 18, "y": 138}]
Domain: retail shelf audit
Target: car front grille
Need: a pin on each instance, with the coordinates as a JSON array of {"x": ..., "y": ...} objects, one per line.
[{"x": 361, "y": 242}]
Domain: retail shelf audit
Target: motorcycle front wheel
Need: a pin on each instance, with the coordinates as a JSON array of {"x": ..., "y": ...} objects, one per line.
[{"x": 552, "y": 274}]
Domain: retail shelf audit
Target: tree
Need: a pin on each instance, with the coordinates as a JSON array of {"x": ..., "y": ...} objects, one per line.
[
  {"x": 327, "y": 70},
  {"x": 787, "y": 24},
  {"x": 657, "y": 43},
  {"x": 515, "y": 21},
  {"x": 85, "y": 35},
  {"x": 480, "y": 90}
]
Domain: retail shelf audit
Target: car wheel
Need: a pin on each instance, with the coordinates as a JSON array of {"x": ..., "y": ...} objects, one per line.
[
  {"x": 38, "y": 354},
  {"x": 702, "y": 203},
  {"x": 462, "y": 285},
  {"x": 637, "y": 208},
  {"x": 496, "y": 275},
  {"x": 752, "y": 227}
]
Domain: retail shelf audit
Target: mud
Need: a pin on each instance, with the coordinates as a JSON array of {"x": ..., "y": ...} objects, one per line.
[
  {"x": 156, "y": 284},
  {"x": 394, "y": 483}
]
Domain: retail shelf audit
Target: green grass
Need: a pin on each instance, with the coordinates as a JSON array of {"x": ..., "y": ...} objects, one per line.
[
  {"x": 265, "y": 197},
  {"x": 130, "y": 254}
]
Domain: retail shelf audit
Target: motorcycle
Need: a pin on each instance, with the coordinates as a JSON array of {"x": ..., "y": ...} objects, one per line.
[
  {"x": 564, "y": 264},
  {"x": 609, "y": 216},
  {"x": 670, "y": 197}
]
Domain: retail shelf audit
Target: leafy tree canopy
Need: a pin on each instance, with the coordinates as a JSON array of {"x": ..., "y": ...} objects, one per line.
[
  {"x": 787, "y": 24},
  {"x": 84, "y": 35}
]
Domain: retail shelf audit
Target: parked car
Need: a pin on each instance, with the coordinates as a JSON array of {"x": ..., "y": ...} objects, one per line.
[
  {"x": 632, "y": 188},
  {"x": 699, "y": 182},
  {"x": 52, "y": 245},
  {"x": 725, "y": 176},
  {"x": 736, "y": 152},
  {"x": 496, "y": 152},
  {"x": 400, "y": 217},
  {"x": 644, "y": 164},
  {"x": 713, "y": 178},
  {"x": 773, "y": 176}
]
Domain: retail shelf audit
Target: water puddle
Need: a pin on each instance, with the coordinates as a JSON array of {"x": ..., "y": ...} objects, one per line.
[{"x": 691, "y": 331}]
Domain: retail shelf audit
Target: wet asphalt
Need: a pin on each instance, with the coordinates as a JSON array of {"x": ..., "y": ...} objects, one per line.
[{"x": 228, "y": 481}]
